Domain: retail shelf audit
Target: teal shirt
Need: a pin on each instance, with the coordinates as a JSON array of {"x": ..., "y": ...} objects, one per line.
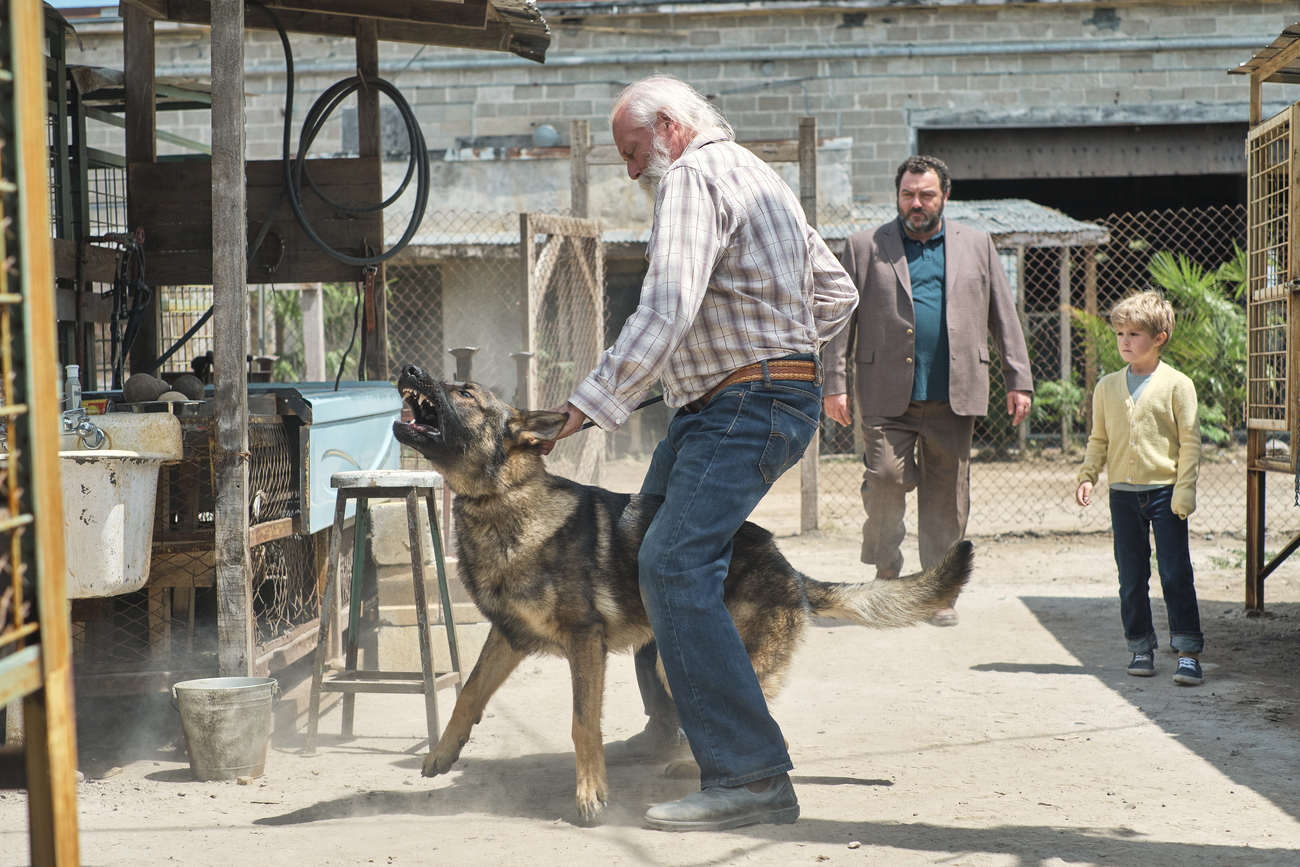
[{"x": 925, "y": 267}]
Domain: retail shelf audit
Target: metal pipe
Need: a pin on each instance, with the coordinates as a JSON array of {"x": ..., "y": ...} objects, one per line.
[{"x": 759, "y": 53}]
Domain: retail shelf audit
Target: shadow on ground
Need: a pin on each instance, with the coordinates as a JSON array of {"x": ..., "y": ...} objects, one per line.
[
  {"x": 1251, "y": 693},
  {"x": 538, "y": 786}
]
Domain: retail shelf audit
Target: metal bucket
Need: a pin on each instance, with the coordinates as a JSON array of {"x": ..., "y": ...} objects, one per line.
[{"x": 227, "y": 722}]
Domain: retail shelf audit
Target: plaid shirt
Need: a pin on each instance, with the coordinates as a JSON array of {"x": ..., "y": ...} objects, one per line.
[{"x": 736, "y": 276}]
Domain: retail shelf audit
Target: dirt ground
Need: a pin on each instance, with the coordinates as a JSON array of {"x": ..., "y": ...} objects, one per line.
[{"x": 1014, "y": 738}]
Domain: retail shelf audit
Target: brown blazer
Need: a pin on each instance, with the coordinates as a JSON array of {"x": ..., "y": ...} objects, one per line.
[{"x": 978, "y": 305}]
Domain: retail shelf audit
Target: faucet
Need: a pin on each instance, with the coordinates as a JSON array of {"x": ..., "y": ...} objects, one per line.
[
  {"x": 76, "y": 421},
  {"x": 73, "y": 416}
]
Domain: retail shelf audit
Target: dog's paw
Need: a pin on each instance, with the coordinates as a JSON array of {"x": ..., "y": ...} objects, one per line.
[
  {"x": 436, "y": 763},
  {"x": 590, "y": 805}
]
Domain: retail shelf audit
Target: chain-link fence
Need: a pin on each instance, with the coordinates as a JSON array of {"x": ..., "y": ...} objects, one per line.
[
  {"x": 468, "y": 300},
  {"x": 1024, "y": 478}
]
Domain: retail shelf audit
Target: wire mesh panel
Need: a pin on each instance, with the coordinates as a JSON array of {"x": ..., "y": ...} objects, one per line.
[
  {"x": 1023, "y": 478},
  {"x": 1269, "y": 154},
  {"x": 566, "y": 291}
]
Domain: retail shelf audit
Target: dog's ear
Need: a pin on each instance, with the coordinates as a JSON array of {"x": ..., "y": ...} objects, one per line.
[{"x": 539, "y": 426}]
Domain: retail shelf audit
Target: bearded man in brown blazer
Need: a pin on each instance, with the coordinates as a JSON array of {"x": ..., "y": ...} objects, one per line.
[{"x": 932, "y": 292}]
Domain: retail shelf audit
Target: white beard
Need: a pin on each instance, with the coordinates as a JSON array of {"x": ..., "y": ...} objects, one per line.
[{"x": 656, "y": 167}]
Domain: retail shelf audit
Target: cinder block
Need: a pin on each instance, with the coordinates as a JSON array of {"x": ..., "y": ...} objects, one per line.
[
  {"x": 404, "y": 614},
  {"x": 399, "y": 647},
  {"x": 390, "y": 538}
]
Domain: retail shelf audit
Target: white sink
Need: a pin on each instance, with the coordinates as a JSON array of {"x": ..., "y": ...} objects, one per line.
[{"x": 108, "y": 500}]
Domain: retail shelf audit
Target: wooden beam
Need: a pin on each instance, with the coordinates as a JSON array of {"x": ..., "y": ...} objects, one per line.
[
  {"x": 472, "y": 13},
  {"x": 230, "y": 457},
  {"x": 527, "y": 306},
  {"x": 1284, "y": 56},
  {"x": 579, "y": 145},
  {"x": 769, "y": 151},
  {"x": 99, "y": 264},
  {"x": 48, "y": 713},
  {"x": 809, "y": 465},
  {"x": 369, "y": 146},
  {"x": 142, "y": 147},
  {"x": 175, "y": 197},
  {"x": 494, "y": 35}
]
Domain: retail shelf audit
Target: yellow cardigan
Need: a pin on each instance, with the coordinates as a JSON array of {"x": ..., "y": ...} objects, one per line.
[{"x": 1155, "y": 441}]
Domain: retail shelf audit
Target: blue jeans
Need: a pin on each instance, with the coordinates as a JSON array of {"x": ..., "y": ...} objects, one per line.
[
  {"x": 1133, "y": 515},
  {"x": 712, "y": 468}
]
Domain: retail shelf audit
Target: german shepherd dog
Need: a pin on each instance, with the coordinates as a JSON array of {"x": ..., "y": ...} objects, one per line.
[{"x": 552, "y": 564}]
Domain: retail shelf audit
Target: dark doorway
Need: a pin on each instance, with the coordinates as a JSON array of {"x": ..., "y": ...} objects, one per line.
[{"x": 1094, "y": 198}]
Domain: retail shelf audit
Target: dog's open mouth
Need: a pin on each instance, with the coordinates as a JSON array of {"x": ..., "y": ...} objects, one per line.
[{"x": 426, "y": 419}]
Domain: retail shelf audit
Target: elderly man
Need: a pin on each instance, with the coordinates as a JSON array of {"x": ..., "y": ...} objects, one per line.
[
  {"x": 932, "y": 293},
  {"x": 740, "y": 295}
]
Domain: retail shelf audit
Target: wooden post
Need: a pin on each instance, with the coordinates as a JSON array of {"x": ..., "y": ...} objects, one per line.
[
  {"x": 230, "y": 326},
  {"x": 141, "y": 146},
  {"x": 808, "y": 477},
  {"x": 48, "y": 712},
  {"x": 1090, "y": 306},
  {"x": 370, "y": 145},
  {"x": 1255, "y": 490},
  {"x": 312, "y": 303},
  {"x": 579, "y": 145},
  {"x": 1067, "y": 425},
  {"x": 1022, "y": 431},
  {"x": 528, "y": 337}
]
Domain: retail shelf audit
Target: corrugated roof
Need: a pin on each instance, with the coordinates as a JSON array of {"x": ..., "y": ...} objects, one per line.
[{"x": 1011, "y": 222}]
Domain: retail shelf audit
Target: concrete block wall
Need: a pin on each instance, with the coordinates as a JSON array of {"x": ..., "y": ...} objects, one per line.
[
  {"x": 398, "y": 638},
  {"x": 875, "y": 73}
]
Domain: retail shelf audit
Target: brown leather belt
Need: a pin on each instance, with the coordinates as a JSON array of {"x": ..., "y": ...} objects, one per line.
[{"x": 800, "y": 371}]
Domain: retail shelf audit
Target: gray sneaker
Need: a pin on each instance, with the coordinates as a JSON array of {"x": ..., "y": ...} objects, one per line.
[
  {"x": 718, "y": 808},
  {"x": 1189, "y": 672},
  {"x": 1142, "y": 665}
]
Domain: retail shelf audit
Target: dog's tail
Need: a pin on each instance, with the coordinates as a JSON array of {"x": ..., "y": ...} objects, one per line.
[{"x": 900, "y": 602}]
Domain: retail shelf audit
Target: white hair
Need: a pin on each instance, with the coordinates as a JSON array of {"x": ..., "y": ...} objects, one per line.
[{"x": 678, "y": 101}]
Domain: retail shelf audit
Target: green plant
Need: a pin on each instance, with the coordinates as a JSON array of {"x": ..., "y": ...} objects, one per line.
[
  {"x": 1209, "y": 339},
  {"x": 340, "y": 302},
  {"x": 1054, "y": 399}
]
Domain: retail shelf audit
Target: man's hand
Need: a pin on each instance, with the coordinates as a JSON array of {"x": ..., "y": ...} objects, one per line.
[
  {"x": 836, "y": 406},
  {"x": 1018, "y": 406},
  {"x": 576, "y": 420},
  {"x": 1083, "y": 495}
]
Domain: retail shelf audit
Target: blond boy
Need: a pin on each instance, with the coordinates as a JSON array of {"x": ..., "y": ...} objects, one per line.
[{"x": 1145, "y": 433}]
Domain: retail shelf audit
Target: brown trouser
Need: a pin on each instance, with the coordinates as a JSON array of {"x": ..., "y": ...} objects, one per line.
[{"x": 926, "y": 449}]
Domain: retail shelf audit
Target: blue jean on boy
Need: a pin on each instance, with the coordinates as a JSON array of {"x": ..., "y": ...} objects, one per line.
[
  {"x": 712, "y": 467},
  {"x": 1133, "y": 516}
]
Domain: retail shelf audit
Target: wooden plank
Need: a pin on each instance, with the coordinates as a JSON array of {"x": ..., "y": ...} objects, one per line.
[
  {"x": 375, "y": 345},
  {"x": 178, "y": 222},
  {"x": 528, "y": 307},
  {"x": 810, "y": 464},
  {"x": 579, "y": 145},
  {"x": 472, "y": 13},
  {"x": 555, "y": 224},
  {"x": 494, "y": 35},
  {"x": 230, "y": 455},
  {"x": 269, "y": 531},
  {"x": 770, "y": 151},
  {"x": 48, "y": 715},
  {"x": 1284, "y": 56},
  {"x": 98, "y": 265}
]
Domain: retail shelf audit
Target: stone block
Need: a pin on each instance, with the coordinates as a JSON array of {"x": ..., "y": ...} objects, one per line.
[{"x": 399, "y": 650}]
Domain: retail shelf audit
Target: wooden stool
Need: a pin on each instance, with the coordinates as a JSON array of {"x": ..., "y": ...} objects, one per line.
[{"x": 363, "y": 486}]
